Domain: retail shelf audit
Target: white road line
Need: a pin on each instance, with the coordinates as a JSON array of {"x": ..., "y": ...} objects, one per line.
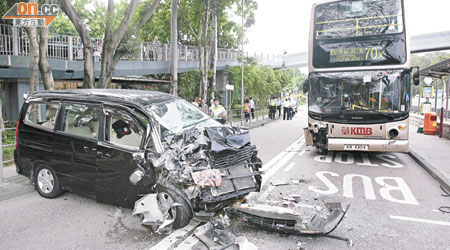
[
  {"x": 188, "y": 243},
  {"x": 285, "y": 158},
  {"x": 301, "y": 153},
  {"x": 278, "y": 157},
  {"x": 175, "y": 236},
  {"x": 264, "y": 195},
  {"x": 443, "y": 223},
  {"x": 274, "y": 165},
  {"x": 289, "y": 167}
]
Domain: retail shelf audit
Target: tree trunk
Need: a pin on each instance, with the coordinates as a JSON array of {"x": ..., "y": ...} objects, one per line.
[
  {"x": 44, "y": 66},
  {"x": 214, "y": 46},
  {"x": 204, "y": 54},
  {"x": 111, "y": 52},
  {"x": 88, "y": 49},
  {"x": 1, "y": 115},
  {"x": 174, "y": 50},
  {"x": 34, "y": 63}
]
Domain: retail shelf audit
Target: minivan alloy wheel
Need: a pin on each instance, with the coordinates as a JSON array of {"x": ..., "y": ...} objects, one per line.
[{"x": 46, "y": 181}]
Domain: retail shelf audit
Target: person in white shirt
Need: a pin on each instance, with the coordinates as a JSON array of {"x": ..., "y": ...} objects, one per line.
[
  {"x": 287, "y": 109},
  {"x": 252, "y": 107}
]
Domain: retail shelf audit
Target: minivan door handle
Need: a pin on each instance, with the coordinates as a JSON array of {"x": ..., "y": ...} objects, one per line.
[{"x": 103, "y": 155}]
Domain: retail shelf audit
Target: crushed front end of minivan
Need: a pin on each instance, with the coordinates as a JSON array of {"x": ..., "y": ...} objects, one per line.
[{"x": 203, "y": 170}]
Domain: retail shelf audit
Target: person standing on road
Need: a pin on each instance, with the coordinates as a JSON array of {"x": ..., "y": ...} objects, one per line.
[
  {"x": 287, "y": 109},
  {"x": 279, "y": 104},
  {"x": 246, "y": 109},
  {"x": 252, "y": 107},
  {"x": 157, "y": 53},
  {"x": 218, "y": 112},
  {"x": 272, "y": 108},
  {"x": 211, "y": 102}
]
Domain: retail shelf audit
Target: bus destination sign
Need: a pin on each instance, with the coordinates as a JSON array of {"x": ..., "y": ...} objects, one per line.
[{"x": 357, "y": 54}]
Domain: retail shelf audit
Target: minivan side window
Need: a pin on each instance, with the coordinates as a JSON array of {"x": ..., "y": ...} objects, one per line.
[
  {"x": 82, "y": 120},
  {"x": 122, "y": 130},
  {"x": 42, "y": 114}
]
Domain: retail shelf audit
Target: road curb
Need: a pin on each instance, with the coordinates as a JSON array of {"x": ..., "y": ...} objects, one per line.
[
  {"x": 253, "y": 124},
  {"x": 430, "y": 169}
]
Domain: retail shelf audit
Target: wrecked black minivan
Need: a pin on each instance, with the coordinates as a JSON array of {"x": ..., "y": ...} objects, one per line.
[{"x": 150, "y": 151}]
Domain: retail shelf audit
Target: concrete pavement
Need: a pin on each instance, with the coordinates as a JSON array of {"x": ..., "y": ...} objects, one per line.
[
  {"x": 432, "y": 153},
  {"x": 393, "y": 203}
]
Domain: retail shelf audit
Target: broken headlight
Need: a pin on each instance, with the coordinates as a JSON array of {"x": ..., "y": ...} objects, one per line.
[{"x": 137, "y": 175}]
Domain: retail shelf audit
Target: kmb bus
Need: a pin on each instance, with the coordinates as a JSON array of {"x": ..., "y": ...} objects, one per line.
[{"x": 359, "y": 76}]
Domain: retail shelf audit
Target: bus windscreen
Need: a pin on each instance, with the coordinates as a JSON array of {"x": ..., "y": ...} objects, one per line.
[{"x": 359, "y": 33}]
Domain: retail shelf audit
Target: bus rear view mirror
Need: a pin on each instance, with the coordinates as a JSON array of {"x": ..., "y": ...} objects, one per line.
[
  {"x": 416, "y": 79},
  {"x": 305, "y": 86}
]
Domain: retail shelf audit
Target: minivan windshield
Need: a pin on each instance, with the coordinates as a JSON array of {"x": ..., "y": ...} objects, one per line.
[{"x": 179, "y": 115}]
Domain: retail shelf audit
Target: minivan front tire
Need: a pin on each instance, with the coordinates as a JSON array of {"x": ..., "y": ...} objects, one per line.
[
  {"x": 184, "y": 213},
  {"x": 47, "y": 183}
]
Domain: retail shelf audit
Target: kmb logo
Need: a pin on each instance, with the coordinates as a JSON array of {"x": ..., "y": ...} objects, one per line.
[
  {"x": 356, "y": 131},
  {"x": 29, "y": 15}
]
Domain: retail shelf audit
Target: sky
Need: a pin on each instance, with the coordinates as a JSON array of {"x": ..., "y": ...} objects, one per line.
[{"x": 283, "y": 25}]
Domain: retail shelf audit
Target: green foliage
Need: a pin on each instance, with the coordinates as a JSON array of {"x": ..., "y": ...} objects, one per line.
[
  {"x": 261, "y": 82},
  {"x": 93, "y": 13},
  {"x": 191, "y": 15},
  {"x": 426, "y": 60},
  {"x": 8, "y": 137},
  {"x": 4, "y": 7},
  {"x": 62, "y": 25},
  {"x": 158, "y": 25},
  {"x": 188, "y": 84}
]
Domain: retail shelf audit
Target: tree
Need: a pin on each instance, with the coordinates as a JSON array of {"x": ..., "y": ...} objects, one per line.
[
  {"x": 88, "y": 49},
  {"x": 44, "y": 66},
  {"x": 117, "y": 40},
  {"x": 174, "y": 49}
]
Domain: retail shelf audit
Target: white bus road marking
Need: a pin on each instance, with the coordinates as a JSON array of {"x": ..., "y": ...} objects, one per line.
[
  {"x": 369, "y": 192},
  {"x": 274, "y": 165},
  {"x": 436, "y": 222},
  {"x": 175, "y": 236},
  {"x": 289, "y": 167}
]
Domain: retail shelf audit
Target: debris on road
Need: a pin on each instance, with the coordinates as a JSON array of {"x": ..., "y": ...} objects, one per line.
[
  {"x": 300, "y": 245},
  {"x": 285, "y": 220},
  {"x": 214, "y": 238},
  {"x": 279, "y": 182},
  {"x": 244, "y": 244}
]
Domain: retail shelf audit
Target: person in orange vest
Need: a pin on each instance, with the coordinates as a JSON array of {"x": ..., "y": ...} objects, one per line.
[{"x": 246, "y": 108}]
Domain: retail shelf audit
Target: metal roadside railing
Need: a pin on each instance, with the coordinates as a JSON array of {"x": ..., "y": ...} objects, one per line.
[
  {"x": 14, "y": 42},
  {"x": 238, "y": 116},
  {"x": 3, "y": 146}
]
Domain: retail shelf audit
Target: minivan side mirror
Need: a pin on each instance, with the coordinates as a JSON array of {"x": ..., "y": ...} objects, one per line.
[{"x": 306, "y": 86}]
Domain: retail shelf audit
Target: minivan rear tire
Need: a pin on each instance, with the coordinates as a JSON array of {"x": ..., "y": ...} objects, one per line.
[{"x": 47, "y": 183}]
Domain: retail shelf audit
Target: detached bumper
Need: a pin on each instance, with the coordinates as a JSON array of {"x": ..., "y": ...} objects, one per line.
[{"x": 284, "y": 220}]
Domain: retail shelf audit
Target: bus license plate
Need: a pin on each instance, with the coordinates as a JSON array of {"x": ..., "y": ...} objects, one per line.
[{"x": 356, "y": 147}]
